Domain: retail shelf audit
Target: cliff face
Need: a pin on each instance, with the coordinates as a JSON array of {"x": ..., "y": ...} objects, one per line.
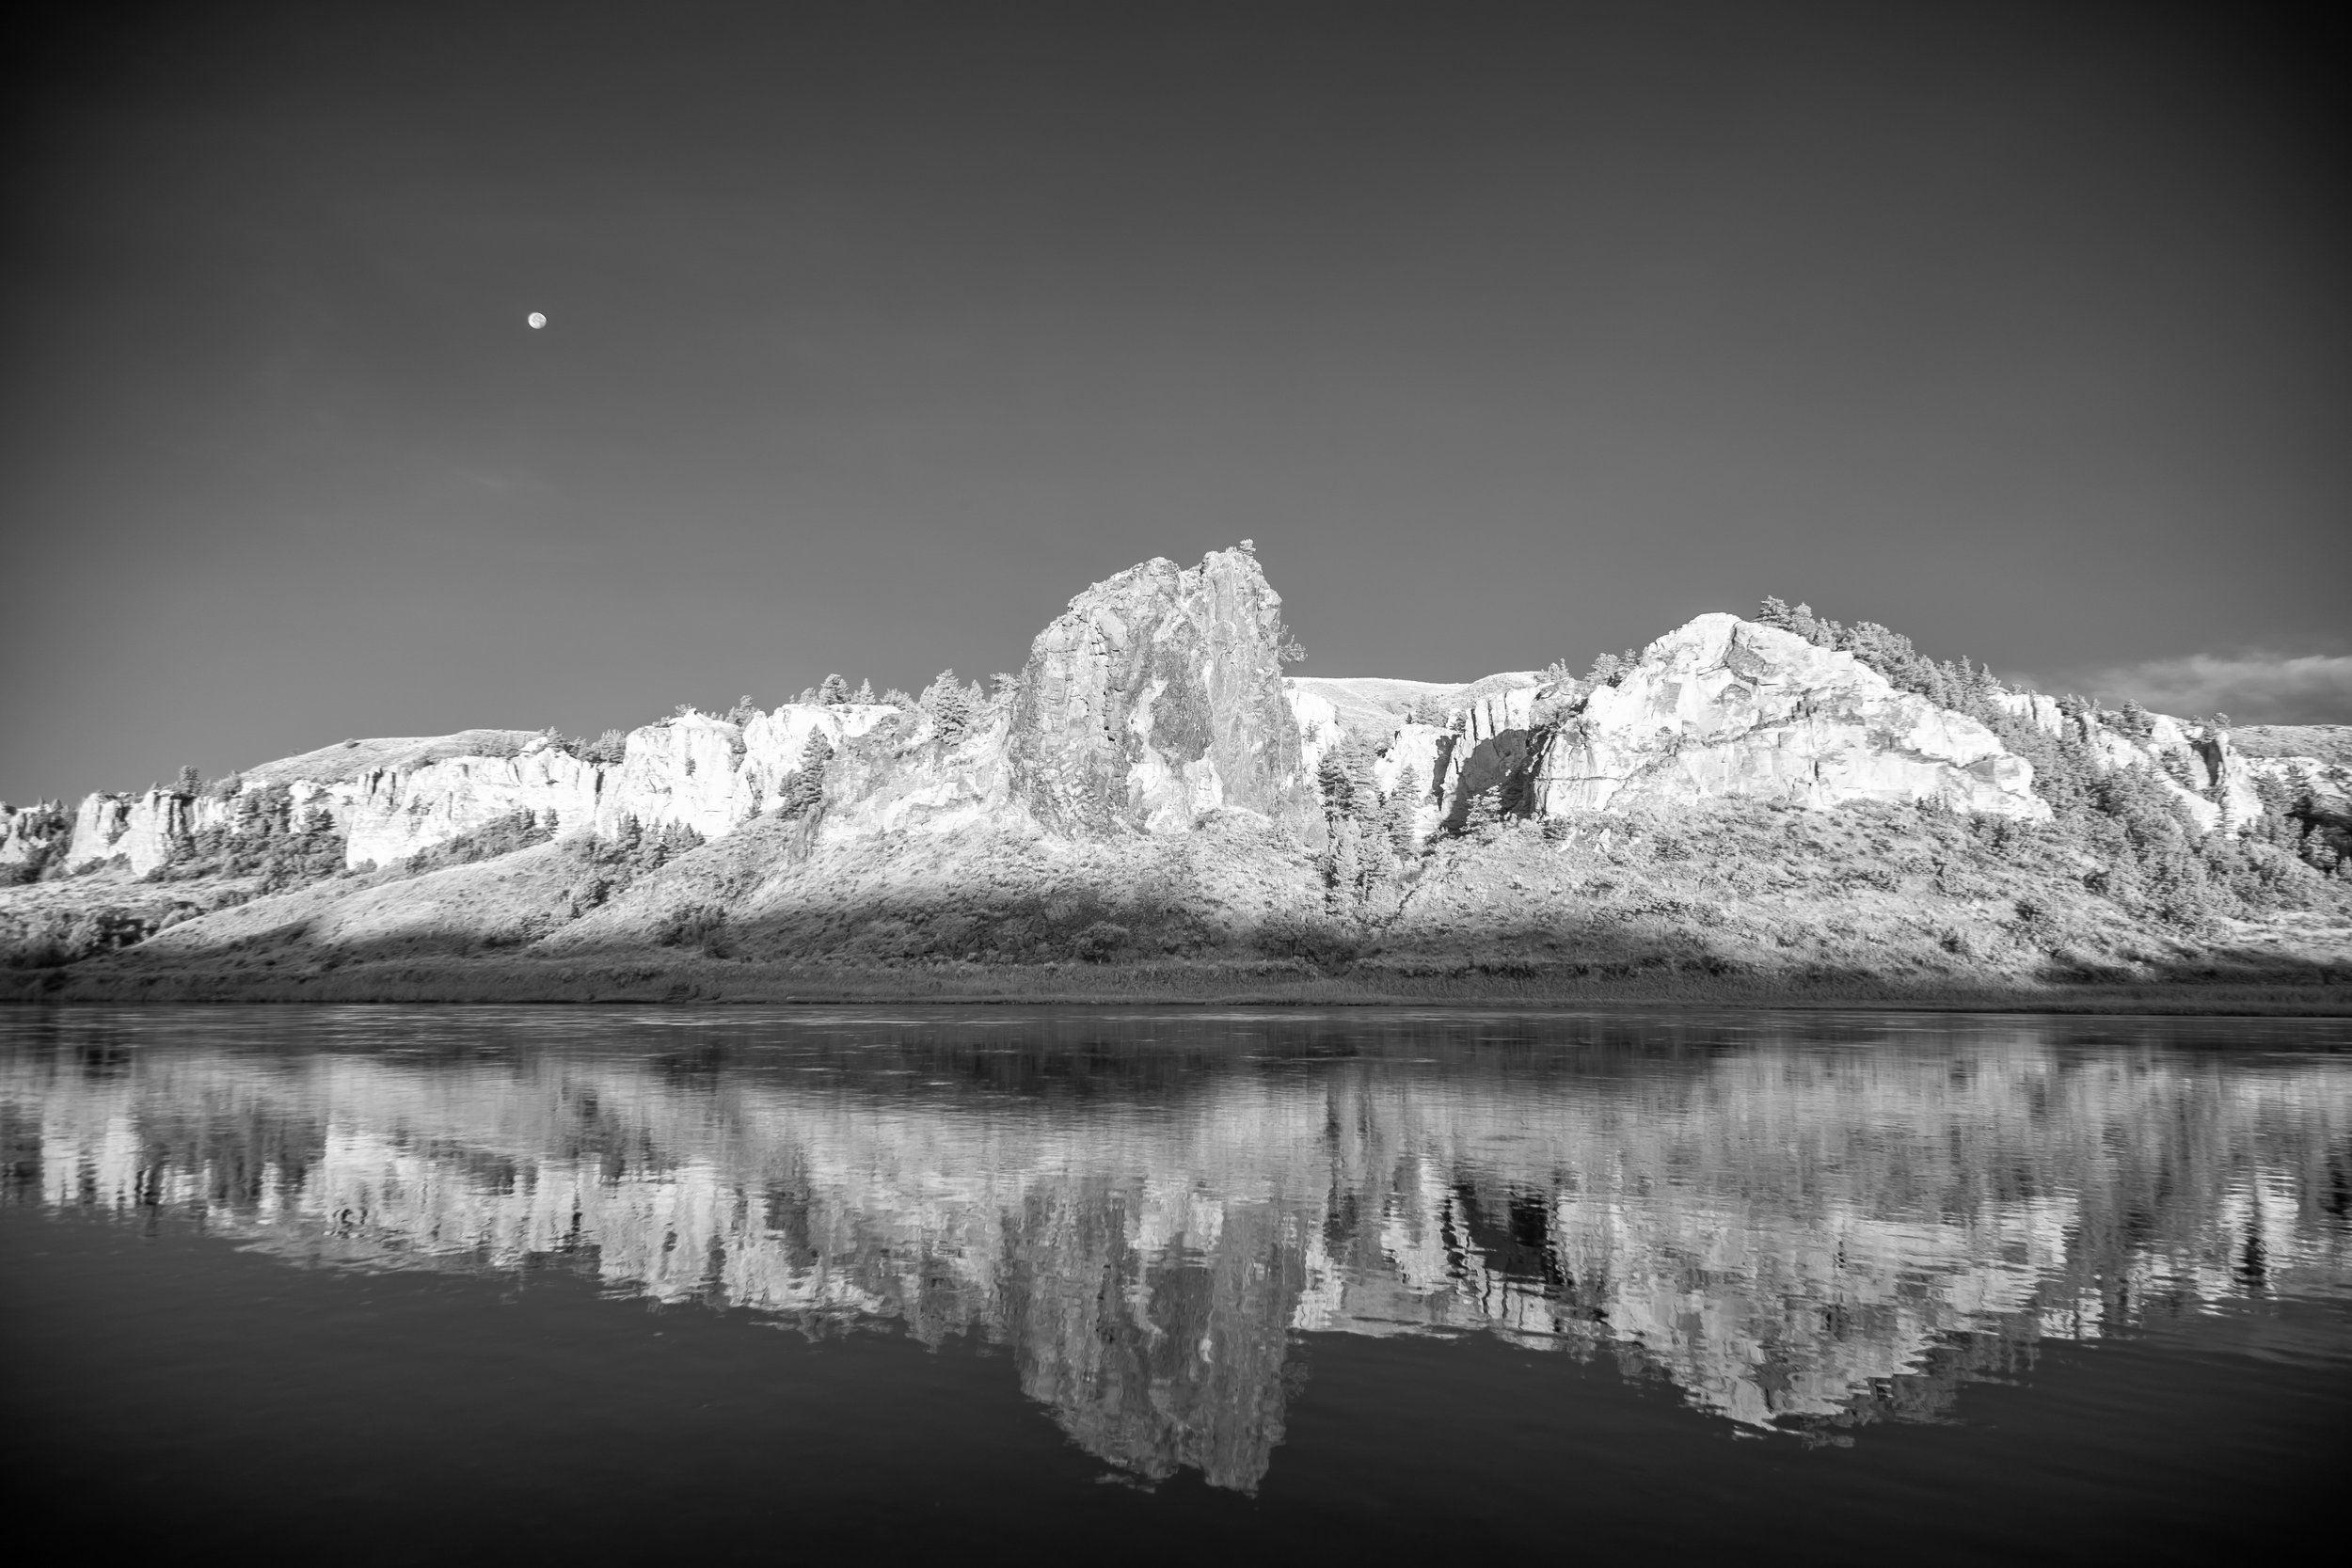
[
  {"x": 1727, "y": 707},
  {"x": 1148, "y": 786},
  {"x": 142, "y": 829},
  {"x": 693, "y": 770},
  {"x": 2200, "y": 767},
  {"x": 30, "y": 834},
  {"x": 1720, "y": 708},
  {"x": 1158, "y": 696}
]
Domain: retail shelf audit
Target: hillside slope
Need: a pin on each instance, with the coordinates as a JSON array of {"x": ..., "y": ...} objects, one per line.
[{"x": 1768, "y": 807}]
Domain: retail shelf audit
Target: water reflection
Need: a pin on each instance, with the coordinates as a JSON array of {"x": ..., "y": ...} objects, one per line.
[{"x": 1803, "y": 1224}]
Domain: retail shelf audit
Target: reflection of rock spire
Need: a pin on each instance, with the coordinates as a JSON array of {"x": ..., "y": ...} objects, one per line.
[{"x": 1789, "y": 1234}]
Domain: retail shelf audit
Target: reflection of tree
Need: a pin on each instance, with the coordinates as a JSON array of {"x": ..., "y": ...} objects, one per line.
[{"x": 1792, "y": 1234}]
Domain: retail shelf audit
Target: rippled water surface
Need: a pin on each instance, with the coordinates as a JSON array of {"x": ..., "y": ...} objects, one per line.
[{"x": 402, "y": 1284}]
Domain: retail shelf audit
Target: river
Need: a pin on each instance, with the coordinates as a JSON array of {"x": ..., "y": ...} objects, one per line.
[{"x": 398, "y": 1284}]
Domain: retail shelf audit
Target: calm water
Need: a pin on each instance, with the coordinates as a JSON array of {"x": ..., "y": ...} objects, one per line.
[{"x": 408, "y": 1285}]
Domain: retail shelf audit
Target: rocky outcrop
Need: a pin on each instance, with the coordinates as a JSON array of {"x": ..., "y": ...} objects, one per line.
[
  {"x": 1729, "y": 708},
  {"x": 1158, "y": 696},
  {"x": 1156, "y": 700},
  {"x": 2196, "y": 765},
  {"x": 31, "y": 836},
  {"x": 1723, "y": 707},
  {"x": 142, "y": 829},
  {"x": 692, "y": 770}
]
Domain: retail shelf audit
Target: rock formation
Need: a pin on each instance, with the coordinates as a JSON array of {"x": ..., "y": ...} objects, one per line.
[
  {"x": 31, "y": 836},
  {"x": 1148, "y": 786},
  {"x": 1727, "y": 707},
  {"x": 1722, "y": 709},
  {"x": 1157, "y": 696}
]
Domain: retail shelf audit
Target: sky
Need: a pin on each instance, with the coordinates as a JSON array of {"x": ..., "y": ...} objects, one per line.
[{"x": 1508, "y": 333}]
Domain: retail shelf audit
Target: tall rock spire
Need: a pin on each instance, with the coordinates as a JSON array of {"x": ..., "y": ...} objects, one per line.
[{"x": 1157, "y": 696}]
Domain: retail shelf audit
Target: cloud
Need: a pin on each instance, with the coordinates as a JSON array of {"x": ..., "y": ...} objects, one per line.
[{"x": 2252, "y": 688}]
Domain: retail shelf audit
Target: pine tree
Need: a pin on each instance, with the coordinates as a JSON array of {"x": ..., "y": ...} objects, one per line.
[
  {"x": 806, "y": 789},
  {"x": 864, "y": 693},
  {"x": 1357, "y": 757},
  {"x": 1396, "y": 812},
  {"x": 834, "y": 692},
  {"x": 1342, "y": 867},
  {"x": 743, "y": 712},
  {"x": 1611, "y": 669},
  {"x": 950, "y": 705}
]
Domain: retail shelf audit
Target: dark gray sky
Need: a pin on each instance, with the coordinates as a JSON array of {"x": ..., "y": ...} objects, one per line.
[{"x": 1509, "y": 333}]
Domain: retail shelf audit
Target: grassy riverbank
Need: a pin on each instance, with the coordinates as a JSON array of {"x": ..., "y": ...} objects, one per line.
[{"x": 671, "y": 977}]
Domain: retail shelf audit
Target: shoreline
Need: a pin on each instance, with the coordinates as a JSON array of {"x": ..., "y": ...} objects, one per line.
[{"x": 721, "y": 983}]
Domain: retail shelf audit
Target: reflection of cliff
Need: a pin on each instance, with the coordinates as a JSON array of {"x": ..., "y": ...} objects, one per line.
[{"x": 1789, "y": 1233}]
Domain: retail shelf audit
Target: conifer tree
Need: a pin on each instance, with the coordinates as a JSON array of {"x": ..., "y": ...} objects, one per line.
[
  {"x": 1343, "y": 866},
  {"x": 864, "y": 693},
  {"x": 1333, "y": 782},
  {"x": 806, "y": 789},
  {"x": 834, "y": 692},
  {"x": 1396, "y": 812},
  {"x": 950, "y": 705}
]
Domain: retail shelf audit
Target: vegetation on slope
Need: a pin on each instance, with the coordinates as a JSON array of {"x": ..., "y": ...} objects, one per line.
[{"x": 1728, "y": 900}]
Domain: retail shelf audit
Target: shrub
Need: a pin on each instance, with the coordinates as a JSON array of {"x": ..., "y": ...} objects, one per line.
[
  {"x": 1100, "y": 941},
  {"x": 2151, "y": 856},
  {"x": 265, "y": 838},
  {"x": 1430, "y": 711},
  {"x": 1324, "y": 943},
  {"x": 689, "y": 926},
  {"x": 517, "y": 830},
  {"x": 1611, "y": 669},
  {"x": 606, "y": 751}
]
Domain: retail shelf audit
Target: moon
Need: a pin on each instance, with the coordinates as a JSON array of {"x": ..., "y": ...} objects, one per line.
[{"x": 537, "y": 320}]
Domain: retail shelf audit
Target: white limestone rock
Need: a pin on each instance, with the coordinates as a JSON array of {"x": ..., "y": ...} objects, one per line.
[
  {"x": 1729, "y": 708},
  {"x": 141, "y": 829},
  {"x": 29, "y": 834},
  {"x": 1158, "y": 697},
  {"x": 388, "y": 814},
  {"x": 2036, "y": 710}
]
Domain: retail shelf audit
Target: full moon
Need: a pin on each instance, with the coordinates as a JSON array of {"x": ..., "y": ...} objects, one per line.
[{"x": 537, "y": 321}]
